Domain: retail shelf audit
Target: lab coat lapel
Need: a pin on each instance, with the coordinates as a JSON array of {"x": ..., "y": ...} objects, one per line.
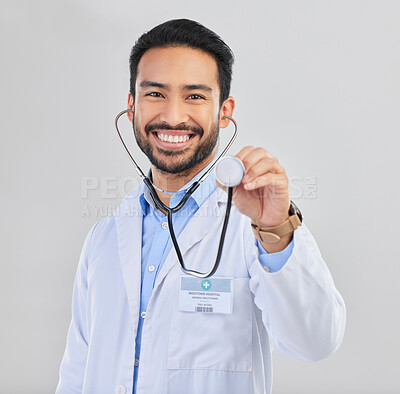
[
  {"x": 129, "y": 219},
  {"x": 209, "y": 215}
]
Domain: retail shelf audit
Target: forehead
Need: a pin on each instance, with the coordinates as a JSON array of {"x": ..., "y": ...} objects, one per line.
[{"x": 178, "y": 66}]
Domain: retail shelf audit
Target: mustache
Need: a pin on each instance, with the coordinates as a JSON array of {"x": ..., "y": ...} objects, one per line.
[{"x": 165, "y": 126}]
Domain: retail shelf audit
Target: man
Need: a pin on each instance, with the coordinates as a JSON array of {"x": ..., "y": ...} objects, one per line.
[{"x": 131, "y": 328}]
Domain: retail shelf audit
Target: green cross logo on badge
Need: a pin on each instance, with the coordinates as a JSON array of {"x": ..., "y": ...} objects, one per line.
[{"x": 206, "y": 284}]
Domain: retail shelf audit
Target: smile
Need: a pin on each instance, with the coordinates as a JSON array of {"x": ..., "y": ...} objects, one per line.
[{"x": 173, "y": 138}]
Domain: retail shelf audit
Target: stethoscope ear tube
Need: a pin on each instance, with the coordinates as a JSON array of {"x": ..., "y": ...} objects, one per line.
[
  {"x": 137, "y": 167},
  {"x": 189, "y": 192}
]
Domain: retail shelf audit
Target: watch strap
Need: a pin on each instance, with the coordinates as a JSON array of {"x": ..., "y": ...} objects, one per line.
[{"x": 274, "y": 234}]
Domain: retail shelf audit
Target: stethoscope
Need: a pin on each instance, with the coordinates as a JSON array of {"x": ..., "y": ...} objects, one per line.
[{"x": 229, "y": 173}]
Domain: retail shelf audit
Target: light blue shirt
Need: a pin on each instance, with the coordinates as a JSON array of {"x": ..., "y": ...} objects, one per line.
[{"x": 156, "y": 243}]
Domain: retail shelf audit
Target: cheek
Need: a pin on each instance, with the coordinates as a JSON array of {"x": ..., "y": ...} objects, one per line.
[
  {"x": 145, "y": 114},
  {"x": 141, "y": 114},
  {"x": 206, "y": 117},
  {"x": 211, "y": 122}
]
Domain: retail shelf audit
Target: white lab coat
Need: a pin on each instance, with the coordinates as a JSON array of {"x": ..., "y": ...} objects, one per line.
[{"x": 297, "y": 310}]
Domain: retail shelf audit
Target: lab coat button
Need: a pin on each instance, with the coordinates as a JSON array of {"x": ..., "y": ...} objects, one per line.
[
  {"x": 120, "y": 389},
  {"x": 152, "y": 268},
  {"x": 164, "y": 225},
  {"x": 136, "y": 362},
  {"x": 143, "y": 314}
]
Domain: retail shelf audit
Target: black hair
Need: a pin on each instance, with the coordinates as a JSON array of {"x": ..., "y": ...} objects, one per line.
[{"x": 187, "y": 33}]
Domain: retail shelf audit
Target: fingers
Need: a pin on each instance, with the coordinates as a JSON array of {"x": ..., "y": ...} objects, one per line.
[
  {"x": 260, "y": 165},
  {"x": 277, "y": 182},
  {"x": 244, "y": 152}
]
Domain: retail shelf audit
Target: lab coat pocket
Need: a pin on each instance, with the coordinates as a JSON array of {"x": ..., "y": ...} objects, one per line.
[{"x": 214, "y": 341}]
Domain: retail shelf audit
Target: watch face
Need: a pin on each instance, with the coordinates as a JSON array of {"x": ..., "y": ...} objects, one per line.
[{"x": 294, "y": 210}]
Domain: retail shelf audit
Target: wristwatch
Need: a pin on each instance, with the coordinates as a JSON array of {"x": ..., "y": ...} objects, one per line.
[{"x": 274, "y": 234}]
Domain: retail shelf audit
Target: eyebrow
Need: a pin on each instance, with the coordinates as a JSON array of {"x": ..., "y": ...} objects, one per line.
[
  {"x": 155, "y": 84},
  {"x": 198, "y": 87},
  {"x": 145, "y": 84}
]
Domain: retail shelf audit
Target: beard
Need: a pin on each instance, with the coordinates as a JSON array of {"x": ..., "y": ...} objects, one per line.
[{"x": 165, "y": 161}]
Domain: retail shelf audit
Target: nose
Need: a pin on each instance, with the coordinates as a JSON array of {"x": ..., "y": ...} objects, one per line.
[{"x": 174, "y": 112}]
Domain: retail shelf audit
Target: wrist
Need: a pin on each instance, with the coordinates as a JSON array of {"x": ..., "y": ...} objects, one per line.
[
  {"x": 270, "y": 223},
  {"x": 278, "y": 232},
  {"x": 275, "y": 247}
]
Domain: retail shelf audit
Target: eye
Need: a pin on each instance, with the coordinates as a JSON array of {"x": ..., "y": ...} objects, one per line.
[
  {"x": 196, "y": 97},
  {"x": 154, "y": 94}
]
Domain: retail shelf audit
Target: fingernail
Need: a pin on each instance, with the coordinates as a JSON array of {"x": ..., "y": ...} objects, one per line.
[{"x": 246, "y": 178}]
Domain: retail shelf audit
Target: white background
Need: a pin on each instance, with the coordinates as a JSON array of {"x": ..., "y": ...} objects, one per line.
[{"x": 317, "y": 84}]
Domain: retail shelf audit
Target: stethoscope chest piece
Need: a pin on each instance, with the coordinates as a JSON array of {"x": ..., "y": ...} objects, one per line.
[{"x": 229, "y": 171}]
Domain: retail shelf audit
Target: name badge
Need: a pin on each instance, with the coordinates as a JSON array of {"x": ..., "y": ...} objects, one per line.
[{"x": 210, "y": 295}]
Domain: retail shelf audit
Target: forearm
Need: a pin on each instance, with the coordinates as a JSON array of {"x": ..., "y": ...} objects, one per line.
[{"x": 303, "y": 312}]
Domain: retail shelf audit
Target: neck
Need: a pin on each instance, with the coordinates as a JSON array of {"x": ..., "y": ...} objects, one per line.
[{"x": 174, "y": 182}]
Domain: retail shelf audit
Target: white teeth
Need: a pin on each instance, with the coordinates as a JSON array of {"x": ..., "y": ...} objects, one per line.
[{"x": 173, "y": 139}]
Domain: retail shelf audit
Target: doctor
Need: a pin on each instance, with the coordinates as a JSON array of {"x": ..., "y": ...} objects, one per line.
[{"x": 140, "y": 326}]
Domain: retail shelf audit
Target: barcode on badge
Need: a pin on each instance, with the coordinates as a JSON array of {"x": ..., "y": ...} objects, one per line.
[{"x": 203, "y": 309}]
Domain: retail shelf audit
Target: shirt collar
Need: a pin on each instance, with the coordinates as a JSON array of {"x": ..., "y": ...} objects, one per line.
[{"x": 206, "y": 188}]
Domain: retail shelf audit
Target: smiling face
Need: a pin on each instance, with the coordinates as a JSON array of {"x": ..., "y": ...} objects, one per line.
[{"x": 176, "y": 108}]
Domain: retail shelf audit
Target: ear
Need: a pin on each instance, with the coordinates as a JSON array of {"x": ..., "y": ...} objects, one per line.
[
  {"x": 227, "y": 109},
  {"x": 130, "y": 106}
]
